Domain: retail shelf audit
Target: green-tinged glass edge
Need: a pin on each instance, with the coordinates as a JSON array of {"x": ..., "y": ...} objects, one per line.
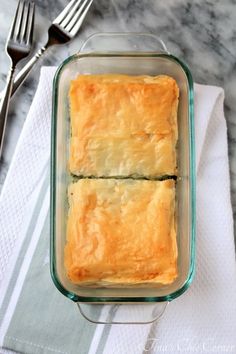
[{"x": 53, "y": 271}]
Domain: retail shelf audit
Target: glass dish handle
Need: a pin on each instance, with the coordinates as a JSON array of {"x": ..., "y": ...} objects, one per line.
[
  {"x": 119, "y": 42},
  {"x": 122, "y": 313}
]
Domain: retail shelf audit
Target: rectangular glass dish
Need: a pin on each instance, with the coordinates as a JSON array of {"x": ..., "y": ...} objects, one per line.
[{"x": 132, "y": 62}]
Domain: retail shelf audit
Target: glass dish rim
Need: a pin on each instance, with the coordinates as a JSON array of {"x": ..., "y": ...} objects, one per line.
[{"x": 57, "y": 283}]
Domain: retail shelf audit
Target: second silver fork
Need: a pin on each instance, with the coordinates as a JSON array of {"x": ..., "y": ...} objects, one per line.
[
  {"x": 18, "y": 46},
  {"x": 62, "y": 30}
]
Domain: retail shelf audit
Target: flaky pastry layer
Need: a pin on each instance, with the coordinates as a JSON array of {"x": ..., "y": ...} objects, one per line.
[
  {"x": 123, "y": 125},
  {"x": 121, "y": 232}
]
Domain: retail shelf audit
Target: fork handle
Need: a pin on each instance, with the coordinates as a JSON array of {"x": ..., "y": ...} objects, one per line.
[
  {"x": 24, "y": 72},
  {"x": 4, "y": 105}
]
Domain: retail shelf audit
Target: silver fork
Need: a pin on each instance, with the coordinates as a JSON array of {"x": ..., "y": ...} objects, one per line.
[
  {"x": 18, "y": 46},
  {"x": 61, "y": 31}
]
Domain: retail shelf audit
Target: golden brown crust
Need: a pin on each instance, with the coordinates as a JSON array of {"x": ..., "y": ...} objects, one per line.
[
  {"x": 121, "y": 232},
  {"x": 123, "y": 125}
]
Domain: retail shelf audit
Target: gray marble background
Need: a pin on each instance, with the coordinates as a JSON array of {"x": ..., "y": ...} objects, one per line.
[{"x": 202, "y": 32}]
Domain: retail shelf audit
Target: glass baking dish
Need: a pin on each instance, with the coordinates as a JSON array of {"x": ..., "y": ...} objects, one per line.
[{"x": 133, "y": 54}]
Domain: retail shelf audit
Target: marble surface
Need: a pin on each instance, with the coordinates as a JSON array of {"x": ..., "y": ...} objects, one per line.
[{"x": 202, "y": 32}]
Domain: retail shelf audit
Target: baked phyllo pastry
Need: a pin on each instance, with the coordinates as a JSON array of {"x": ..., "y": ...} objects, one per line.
[
  {"x": 121, "y": 232},
  {"x": 123, "y": 125}
]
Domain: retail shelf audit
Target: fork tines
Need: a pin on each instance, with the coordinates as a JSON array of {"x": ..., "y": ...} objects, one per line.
[
  {"x": 22, "y": 26},
  {"x": 71, "y": 18}
]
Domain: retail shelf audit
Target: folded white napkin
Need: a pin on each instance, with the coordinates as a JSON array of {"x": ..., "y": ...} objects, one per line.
[{"x": 201, "y": 320}]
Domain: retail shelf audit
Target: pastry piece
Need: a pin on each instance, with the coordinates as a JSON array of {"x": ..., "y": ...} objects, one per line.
[
  {"x": 121, "y": 232},
  {"x": 123, "y": 125}
]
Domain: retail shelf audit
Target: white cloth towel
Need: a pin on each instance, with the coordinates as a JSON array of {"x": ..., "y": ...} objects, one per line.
[{"x": 204, "y": 318}]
